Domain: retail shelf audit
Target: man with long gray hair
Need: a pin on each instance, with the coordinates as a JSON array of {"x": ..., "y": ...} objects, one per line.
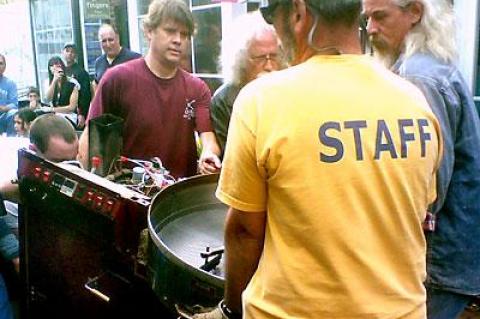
[
  {"x": 249, "y": 50},
  {"x": 416, "y": 40},
  {"x": 329, "y": 169}
]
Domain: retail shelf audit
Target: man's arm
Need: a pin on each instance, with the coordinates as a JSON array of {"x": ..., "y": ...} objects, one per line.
[
  {"x": 12, "y": 99},
  {"x": 10, "y": 191},
  {"x": 244, "y": 237}
]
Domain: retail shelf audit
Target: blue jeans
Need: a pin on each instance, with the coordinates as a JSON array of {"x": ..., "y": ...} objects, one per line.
[
  {"x": 5, "y": 308},
  {"x": 6, "y": 122},
  {"x": 445, "y": 304}
]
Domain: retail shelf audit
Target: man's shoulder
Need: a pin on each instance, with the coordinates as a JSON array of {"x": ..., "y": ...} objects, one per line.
[
  {"x": 427, "y": 66},
  {"x": 126, "y": 55},
  {"x": 125, "y": 71},
  {"x": 192, "y": 80}
]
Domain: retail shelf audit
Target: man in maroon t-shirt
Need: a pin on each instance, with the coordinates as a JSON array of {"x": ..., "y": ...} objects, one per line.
[{"x": 161, "y": 104}]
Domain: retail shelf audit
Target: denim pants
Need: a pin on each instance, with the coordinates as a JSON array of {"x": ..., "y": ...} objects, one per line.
[
  {"x": 6, "y": 122},
  {"x": 445, "y": 304},
  {"x": 5, "y": 308}
]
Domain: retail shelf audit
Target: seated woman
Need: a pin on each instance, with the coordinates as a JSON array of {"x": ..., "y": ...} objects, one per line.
[
  {"x": 23, "y": 119},
  {"x": 62, "y": 91}
]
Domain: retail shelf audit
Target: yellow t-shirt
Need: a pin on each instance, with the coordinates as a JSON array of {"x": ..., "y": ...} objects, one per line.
[{"x": 342, "y": 155}]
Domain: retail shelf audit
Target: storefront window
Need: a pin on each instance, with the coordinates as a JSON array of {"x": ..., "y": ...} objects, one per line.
[
  {"x": 206, "y": 43},
  {"x": 52, "y": 24}
]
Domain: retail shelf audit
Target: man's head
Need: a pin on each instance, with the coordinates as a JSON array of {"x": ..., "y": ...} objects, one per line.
[
  {"x": 109, "y": 40},
  {"x": 33, "y": 94},
  {"x": 69, "y": 53},
  {"x": 54, "y": 138},
  {"x": 3, "y": 64},
  {"x": 250, "y": 49},
  {"x": 168, "y": 26},
  {"x": 308, "y": 27},
  {"x": 410, "y": 26}
]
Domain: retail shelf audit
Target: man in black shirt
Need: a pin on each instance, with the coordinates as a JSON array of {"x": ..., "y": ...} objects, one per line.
[
  {"x": 113, "y": 52},
  {"x": 76, "y": 71}
]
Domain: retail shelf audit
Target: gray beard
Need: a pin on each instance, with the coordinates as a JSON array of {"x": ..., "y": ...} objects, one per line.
[{"x": 388, "y": 60}]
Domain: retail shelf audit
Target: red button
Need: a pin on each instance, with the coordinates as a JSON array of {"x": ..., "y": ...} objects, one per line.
[
  {"x": 46, "y": 176},
  {"x": 109, "y": 205},
  {"x": 37, "y": 172}
]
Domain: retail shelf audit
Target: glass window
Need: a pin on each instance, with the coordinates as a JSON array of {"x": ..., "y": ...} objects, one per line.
[
  {"x": 52, "y": 23},
  {"x": 206, "y": 43}
]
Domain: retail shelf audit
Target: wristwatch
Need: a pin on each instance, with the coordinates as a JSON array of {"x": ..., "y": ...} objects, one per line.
[{"x": 227, "y": 312}]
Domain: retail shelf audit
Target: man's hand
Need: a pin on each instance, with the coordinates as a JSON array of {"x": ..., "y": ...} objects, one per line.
[
  {"x": 209, "y": 162},
  {"x": 16, "y": 264},
  {"x": 81, "y": 121}
]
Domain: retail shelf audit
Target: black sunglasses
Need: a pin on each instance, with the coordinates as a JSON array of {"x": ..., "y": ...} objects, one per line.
[{"x": 268, "y": 11}]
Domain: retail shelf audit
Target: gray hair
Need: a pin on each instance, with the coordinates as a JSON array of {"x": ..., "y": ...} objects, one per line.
[
  {"x": 239, "y": 35},
  {"x": 435, "y": 32}
]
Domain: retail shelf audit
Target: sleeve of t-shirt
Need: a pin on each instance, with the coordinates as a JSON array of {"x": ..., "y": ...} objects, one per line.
[
  {"x": 105, "y": 97},
  {"x": 202, "y": 108},
  {"x": 12, "y": 96},
  {"x": 242, "y": 183}
]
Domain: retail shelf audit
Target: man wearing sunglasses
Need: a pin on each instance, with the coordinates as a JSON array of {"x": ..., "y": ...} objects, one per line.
[{"x": 329, "y": 169}]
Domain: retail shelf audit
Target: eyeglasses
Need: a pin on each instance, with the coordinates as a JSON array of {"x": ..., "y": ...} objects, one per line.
[
  {"x": 263, "y": 59},
  {"x": 269, "y": 11}
]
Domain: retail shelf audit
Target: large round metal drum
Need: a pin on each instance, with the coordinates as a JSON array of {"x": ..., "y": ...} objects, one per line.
[{"x": 186, "y": 220}]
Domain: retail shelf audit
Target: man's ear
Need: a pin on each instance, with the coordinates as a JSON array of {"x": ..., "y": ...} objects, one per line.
[
  {"x": 299, "y": 12},
  {"x": 33, "y": 147},
  {"x": 415, "y": 11}
]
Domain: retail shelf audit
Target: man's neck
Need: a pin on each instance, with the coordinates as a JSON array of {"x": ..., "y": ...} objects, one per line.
[{"x": 161, "y": 70}]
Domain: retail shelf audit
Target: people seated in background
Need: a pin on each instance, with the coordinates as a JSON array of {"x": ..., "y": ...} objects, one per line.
[
  {"x": 62, "y": 91},
  {"x": 35, "y": 103},
  {"x": 250, "y": 49},
  {"x": 74, "y": 70},
  {"x": 162, "y": 105},
  {"x": 113, "y": 52},
  {"x": 8, "y": 100},
  {"x": 23, "y": 120}
]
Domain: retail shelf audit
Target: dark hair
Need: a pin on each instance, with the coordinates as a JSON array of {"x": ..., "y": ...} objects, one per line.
[
  {"x": 337, "y": 12},
  {"x": 160, "y": 11},
  {"x": 54, "y": 60},
  {"x": 33, "y": 89},
  {"x": 26, "y": 115},
  {"x": 46, "y": 126}
]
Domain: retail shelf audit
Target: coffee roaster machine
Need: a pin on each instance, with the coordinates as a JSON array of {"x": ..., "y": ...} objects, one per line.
[
  {"x": 82, "y": 255},
  {"x": 79, "y": 239}
]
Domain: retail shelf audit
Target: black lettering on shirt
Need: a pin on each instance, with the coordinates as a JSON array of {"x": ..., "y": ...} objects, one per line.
[
  {"x": 330, "y": 142},
  {"x": 404, "y": 136},
  {"x": 356, "y": 126},
  {"x": 424, "y": 136},
  {"x": 384, "y": 143},
  {"x": 382, "y": 131}
]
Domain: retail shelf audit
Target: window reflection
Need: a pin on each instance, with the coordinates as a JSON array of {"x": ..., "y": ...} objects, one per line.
[{"x": 207, "y": 40}]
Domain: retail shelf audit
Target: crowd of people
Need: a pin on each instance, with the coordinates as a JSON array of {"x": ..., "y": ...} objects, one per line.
[{"x": 351, "y": 180}]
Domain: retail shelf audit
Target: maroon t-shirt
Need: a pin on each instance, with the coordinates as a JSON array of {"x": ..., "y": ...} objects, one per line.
[{"x": 160, "y": 115}]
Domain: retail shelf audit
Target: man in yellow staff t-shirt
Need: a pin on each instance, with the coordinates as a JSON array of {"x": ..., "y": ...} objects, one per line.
[{"x": 329, "y": 170}]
